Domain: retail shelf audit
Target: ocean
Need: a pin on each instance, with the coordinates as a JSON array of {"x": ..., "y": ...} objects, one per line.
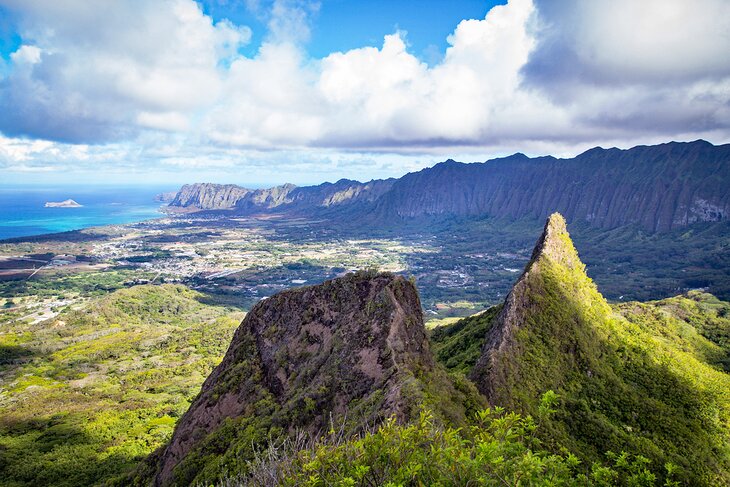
[{"x": 22, "y": 211}]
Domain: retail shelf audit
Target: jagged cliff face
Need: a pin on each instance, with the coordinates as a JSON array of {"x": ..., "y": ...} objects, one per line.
[
  {"x": 658, "y": 187},
  {"x": 206, "y": 196},
  {"x": 352, "y": 349}
]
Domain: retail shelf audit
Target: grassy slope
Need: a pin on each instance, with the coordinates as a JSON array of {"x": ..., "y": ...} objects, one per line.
[
  {"x": 458, "y": 346},
  {"x": 647, "y": 378},
  {"x": 84, "y": 397}
]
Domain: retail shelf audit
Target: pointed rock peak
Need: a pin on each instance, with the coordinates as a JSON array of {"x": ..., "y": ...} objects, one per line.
[
  {"x": 555, "y": 244},
  {"x": 448, "y": 164},
  {"x": 551, "y": 304}
]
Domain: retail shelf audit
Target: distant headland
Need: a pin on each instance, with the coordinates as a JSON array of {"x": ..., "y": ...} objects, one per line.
[{"x": 62, "y": 204}]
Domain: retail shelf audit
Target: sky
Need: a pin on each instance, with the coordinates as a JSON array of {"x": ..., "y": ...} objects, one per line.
[{"x": 263, "y": 92}]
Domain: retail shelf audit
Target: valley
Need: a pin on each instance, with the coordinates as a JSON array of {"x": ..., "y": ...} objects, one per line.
[
  {"x": 240, "y": 260},
  {"x": 101, "y": 355}
]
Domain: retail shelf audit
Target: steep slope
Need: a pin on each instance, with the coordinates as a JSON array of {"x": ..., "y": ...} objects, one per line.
[
  {"x": 625, "y": 386},
  {"x": 207, "y": 196},
  {"x": 353, "y": 349},
  {"x": 311, "y": 199},
  {"x": 657, "y": 187}
]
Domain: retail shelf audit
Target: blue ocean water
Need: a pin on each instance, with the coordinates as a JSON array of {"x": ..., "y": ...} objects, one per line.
[{"x": 22, "y": 211}]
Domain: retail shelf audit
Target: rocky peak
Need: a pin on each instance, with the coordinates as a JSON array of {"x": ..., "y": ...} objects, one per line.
[
  {"x": 552, "y": 304},
  {"x": 555, "y": 244},
  {"x": 209, "y": 196},
  {"x": 347, "y": 348}
]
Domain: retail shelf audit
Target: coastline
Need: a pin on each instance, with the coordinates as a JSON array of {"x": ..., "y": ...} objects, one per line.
[{"x": 24, "y": 214}]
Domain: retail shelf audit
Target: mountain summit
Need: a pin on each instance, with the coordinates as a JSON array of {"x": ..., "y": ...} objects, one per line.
[
  {"x": 350, "y": 351},
  {"x": 553, "y": 306},
  {"x": 627, "y": 378}
]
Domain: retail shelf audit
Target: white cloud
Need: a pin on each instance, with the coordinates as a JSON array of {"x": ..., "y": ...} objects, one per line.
[
  {"x": 555, "y": 76},
  {"x": 289, "y": 20},
  {"x": 26, "y": 55},
  {"x": 504, "y": 80},
  {"x": 94, "y": 74},
  {"x": 611, "y": 42}
]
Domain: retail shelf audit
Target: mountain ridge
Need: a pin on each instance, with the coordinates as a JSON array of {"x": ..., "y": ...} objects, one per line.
[
  {"x": 660, "y": 188},
  {"x": 287, "y": 197},
  {"x": 628, "y": 379}
]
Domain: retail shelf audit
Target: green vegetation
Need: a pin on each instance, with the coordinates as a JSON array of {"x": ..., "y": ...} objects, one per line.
[
  {"x": 459, "y": 346},
  {"x": 65, "y": 284},
  {"x": 697, "y": 322},
  {"x": 87, "y": 394},
  {"x": 496, "y": 448},
  {"x": 84, "y": 397},
  {"x": 628, "y": 261},
  {"x": 645, "y": 378}
]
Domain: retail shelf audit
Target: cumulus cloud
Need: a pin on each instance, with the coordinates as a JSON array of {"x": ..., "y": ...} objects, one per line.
[
  {"x": 552, "y": 75},
  {"x": 289, "y": 20},
  {"x": 624, "y": 42},
  {"x": 94, "y": 74},
  {"x": 569, "y": 72},
  {"x": 649, "y": 67}
]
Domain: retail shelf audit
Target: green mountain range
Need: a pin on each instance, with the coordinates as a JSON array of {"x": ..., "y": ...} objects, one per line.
[{"x": 658, "y": 188}]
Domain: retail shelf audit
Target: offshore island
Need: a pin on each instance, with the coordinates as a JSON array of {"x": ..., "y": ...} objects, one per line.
[{"x": 63, "y": 204}]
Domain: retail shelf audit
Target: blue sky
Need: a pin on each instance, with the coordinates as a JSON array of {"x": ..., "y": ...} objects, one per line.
[
  {"x": 341, "y": 25},
  {"x": 264, "y": 92}
]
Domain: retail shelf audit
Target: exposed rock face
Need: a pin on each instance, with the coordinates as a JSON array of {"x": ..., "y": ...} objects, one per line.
[
  {"x": 166, "y": 197},
  {"x": 349, "y": 346},
  {"x": 343, "y": 193},
  {"x": 206, "y": 196},
  {"x": 658, "y": 187}
]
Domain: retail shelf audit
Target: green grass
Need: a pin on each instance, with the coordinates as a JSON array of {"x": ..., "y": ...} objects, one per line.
[
  {"x": 89, "y": 394},
  {"x": 458, "y": 346}
]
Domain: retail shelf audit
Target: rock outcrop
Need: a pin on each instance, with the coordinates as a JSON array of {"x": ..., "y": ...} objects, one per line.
[
  {"x": 62, "y": 204},
  {"x": 166, "y": 197},
  {"x": 351, "y": 350},
  {"x": 207, "y": 196}
]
